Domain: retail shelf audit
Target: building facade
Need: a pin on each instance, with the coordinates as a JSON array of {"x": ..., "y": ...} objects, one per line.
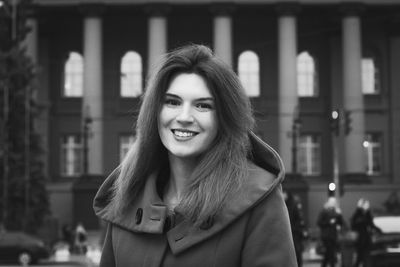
[{"x": 301, "y": 62}]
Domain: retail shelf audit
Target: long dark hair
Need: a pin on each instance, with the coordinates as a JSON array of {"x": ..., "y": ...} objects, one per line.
[{"x": 222, "y": 168}]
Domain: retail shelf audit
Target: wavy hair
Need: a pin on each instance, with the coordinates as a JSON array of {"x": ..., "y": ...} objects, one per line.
[{"x": 221, "y": 169}]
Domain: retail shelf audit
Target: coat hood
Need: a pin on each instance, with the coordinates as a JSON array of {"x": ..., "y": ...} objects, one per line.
[{"x": 148, "y": 214}]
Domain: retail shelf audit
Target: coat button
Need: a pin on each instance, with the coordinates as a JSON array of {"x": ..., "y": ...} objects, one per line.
[{"x": 139, "y": 215}]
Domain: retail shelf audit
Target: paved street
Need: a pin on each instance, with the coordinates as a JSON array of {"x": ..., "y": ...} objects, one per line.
[
  {"x": 70, "y": 261},
  {"x": 83, "y": 263},
  {"x": 311, "y": 264},
  {"x": 62, "y": 257},
  {"x": 91, "y": 259}
]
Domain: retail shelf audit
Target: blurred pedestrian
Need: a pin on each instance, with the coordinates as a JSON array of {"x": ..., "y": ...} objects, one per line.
[
  {"x": 197, "y": 187},
  {"x": 362, "y": 223},
  {"x": 330, "y": 221},
  {"x": 392, "y": 204},
  {"x": 297, "y": 223},
  {"x": 68, "y": 236},
  {"x": 80, "y": 239}
]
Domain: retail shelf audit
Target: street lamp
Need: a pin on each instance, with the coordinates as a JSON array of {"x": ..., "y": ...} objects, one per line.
[
  {"x": 296, "y": 124},
  {"x": 335, "y": 132},
  {"x": 331, "y": 189},
  {"x": 366, "y": 144},
  {"x": 335, "y": 114},
  {"x": 86, "y": 131}
]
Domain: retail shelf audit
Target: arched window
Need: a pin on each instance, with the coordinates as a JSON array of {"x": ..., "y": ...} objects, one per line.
[
  {"x": 73, "y": 75},
  {"x": 131, "y": 75},
  {"x": 249, "y": 73},
  {"x": 306, "y": 75},
  {"x": 370, "y": 76}
]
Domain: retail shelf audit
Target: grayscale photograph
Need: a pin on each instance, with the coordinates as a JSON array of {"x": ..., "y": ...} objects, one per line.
[{"x": 200, "y": 133}]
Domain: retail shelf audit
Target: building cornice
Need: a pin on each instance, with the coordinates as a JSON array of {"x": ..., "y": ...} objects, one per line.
[
  {"x": 188, "y": 2},
  {"x": 222, "y": 9},
  {"x": 92, "y": 10},
  {"x": 288, "y": 8},
  {"x": 157, "y": 9},
  {"x": 352, "y": 9}
]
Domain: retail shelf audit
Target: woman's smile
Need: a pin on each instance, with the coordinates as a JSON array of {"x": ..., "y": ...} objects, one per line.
[{"x": 182, "y": 134}]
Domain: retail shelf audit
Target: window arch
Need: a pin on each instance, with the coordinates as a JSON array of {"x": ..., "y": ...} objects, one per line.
[
  {"x": 73, "y": 75},
  {"x": 306, "y": 75},
  {"x": 131, "y": 75},
  {"x": 370, "y": 76},
  {"x": 249, "y": 72}
]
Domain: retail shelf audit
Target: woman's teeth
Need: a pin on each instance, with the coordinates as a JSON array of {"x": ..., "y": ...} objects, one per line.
[{"x": 183, "y": 134}]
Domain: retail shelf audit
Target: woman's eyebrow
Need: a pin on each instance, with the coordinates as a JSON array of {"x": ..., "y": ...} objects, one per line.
[
  {"x": 171, "y": 95},
  {"x": 197, "y": 99},
  {"x": 205, "y": 99}
]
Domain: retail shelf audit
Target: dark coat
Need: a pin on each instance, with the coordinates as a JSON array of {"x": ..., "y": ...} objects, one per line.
[
  {"x": 362, "y": 222},
  {"x": 329, "y": 220},
  {"x": 252, "y": 230},
  {"x": 297, "y": 222}
]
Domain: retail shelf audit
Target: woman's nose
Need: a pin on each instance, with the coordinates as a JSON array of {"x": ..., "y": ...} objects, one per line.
[{"x": 185, "y": 115}]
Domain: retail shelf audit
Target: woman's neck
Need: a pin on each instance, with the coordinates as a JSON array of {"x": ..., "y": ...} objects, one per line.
[{"x": 180, "y": 171}]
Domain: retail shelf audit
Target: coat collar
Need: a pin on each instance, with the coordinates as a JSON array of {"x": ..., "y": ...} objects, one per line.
[{"x": 149, "y": 213}]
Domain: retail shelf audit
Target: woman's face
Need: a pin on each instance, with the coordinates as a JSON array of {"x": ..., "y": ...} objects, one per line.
[{"x": 187, "y": 123}]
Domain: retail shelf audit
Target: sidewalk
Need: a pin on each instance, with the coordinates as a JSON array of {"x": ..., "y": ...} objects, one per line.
[
  {"x": 310, "y": 256},
  {"x": 90, "y": 259}
]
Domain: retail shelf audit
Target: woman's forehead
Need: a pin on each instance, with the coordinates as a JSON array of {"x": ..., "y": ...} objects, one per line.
[{"x": 189, "y": 85}]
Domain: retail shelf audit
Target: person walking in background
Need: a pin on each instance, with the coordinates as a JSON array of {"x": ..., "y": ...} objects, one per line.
[
  {"x": 362, "y": 223},
  {"x": 198, "y": 187},
  {"x": 297, "y": 223},
  {"x": 392, "y": 204},
  {"x": 330, "y": 221},
  {"x": 80, "y": 239},
  {"x": 68, "y": 236}
]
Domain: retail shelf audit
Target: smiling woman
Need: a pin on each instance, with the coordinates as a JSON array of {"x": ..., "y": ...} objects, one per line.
[{"x": 197, "y": 188}]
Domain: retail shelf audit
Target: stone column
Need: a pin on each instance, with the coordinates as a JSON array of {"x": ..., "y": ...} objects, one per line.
[
  {"x": 222, "y": 31},
  {"x": 353, "y": 103},
  {"x": 157, "y": 34},
  {"x": 287, "y": 80},
  {"x": 92, "y": 109}
]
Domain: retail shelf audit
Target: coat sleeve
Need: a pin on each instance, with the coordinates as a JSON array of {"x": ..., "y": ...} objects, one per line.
[
  {"x": 107, "y": 255},
  {"x": 268, "y": 239}
]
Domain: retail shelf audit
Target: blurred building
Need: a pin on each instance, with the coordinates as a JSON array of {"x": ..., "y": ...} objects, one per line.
[{"x": 298, "y": 60}]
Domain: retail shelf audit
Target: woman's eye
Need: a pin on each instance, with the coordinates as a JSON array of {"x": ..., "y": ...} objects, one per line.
[
  {"x": 172, "y": 102},
  {"x": 204, "y": 106}
]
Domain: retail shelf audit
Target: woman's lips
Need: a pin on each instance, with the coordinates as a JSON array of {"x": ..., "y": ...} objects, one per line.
[{"x": 181, "y": 133}]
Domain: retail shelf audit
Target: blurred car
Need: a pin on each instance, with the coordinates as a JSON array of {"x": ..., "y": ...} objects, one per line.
[
  {"x": 385, "y": 250},
  {"x": 20, "y": 247}
]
